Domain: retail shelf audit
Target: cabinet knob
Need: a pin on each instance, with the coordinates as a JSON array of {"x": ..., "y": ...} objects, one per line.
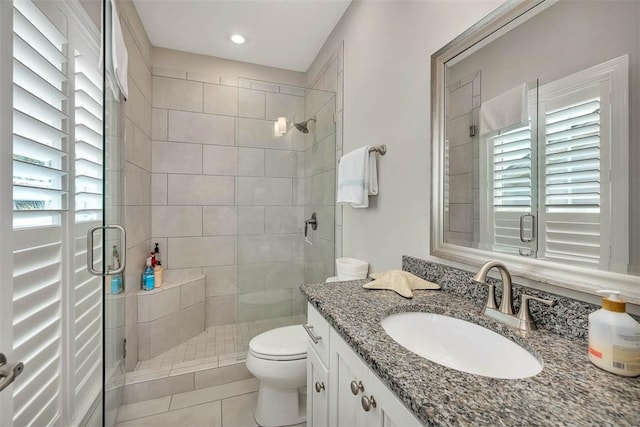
[
  {"x": 356, "y": 387},
  {"x": 319, "y": 386},
  {"x": 368, "y": 403}
]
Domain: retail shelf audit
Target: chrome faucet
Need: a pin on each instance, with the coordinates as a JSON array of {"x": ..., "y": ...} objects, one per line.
[{"x": 504, "y": 313}]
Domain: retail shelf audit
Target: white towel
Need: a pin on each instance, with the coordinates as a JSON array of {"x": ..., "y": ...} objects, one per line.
[
  {"x": 120, "y": 56},
  {"x": 505, "y": 112},
  {"x": 357, "y": 177}
]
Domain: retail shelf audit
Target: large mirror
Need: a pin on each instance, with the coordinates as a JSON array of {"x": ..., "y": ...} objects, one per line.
[{"x": 536, "y": 143}]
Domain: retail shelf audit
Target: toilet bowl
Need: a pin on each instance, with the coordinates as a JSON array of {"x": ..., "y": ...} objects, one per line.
[{"x": 278, "y": 358}]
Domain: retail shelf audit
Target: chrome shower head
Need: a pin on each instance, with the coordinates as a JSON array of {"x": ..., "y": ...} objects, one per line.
[{"x": 304, "y": 126}]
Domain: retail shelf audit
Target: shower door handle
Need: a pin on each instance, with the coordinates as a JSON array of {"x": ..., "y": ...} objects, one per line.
[
  {"x": 123, "y": 250},
  {"x": 313, "y": 221},
  {"x": 533, "y": 228}
]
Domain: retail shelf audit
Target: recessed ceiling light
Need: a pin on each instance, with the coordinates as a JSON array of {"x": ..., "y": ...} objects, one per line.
[{"x": 237, "y": 39}]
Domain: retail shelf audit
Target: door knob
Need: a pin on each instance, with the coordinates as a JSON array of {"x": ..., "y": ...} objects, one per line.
[{"x": 8, "y": 371}]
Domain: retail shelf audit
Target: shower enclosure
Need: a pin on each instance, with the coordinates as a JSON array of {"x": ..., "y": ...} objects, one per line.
[
  {"x": 282, "y": 181},
  {"x": 61, "y": 177}
]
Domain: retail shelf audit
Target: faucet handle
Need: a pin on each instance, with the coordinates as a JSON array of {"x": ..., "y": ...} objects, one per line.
[
  {"x": 491, "y": 298},
  {"x": 524, "y": 315}
]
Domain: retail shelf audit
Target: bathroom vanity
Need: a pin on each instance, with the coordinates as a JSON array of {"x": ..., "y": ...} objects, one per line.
[
  {"x": 348, "y": 394},
  {"x": 357, "y": 375}
]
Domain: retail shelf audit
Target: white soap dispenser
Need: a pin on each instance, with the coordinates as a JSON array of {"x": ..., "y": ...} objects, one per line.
[{"x": 614, "y": 337}]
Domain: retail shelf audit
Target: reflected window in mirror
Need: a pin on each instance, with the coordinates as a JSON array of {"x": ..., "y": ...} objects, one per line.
[
  {"x": 547, "y": 181},
  {"x": 548, "y": 194}
]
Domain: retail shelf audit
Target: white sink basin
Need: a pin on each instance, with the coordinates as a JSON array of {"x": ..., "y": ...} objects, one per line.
[{"x": 461, "y": 345}]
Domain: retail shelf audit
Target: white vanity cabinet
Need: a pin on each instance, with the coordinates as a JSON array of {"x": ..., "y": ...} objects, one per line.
[
  {"x": 353, "y": 395},
  {"x": 318, "y": 385}
]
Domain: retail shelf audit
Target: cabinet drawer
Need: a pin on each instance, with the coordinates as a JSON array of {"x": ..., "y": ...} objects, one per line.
[{"x": 318, "y": 328}]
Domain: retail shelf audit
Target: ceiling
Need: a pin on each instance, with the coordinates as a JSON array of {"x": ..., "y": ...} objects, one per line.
[{"x": 280, "y": 33}]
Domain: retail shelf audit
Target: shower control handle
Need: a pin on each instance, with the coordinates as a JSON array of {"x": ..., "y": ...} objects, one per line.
[{"x": 313, "y": 221}]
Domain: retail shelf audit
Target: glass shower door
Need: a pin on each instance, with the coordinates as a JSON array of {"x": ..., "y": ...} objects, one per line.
[
  {"x": 286, "y": 139},
  {"x": 113, "y": 237}
]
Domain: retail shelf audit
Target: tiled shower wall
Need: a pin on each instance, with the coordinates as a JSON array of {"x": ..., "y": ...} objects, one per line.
[
  {"x": 137, "y": 167},
  {"x": 463, "y": 185},
  {"x": 225, "y": 197}
]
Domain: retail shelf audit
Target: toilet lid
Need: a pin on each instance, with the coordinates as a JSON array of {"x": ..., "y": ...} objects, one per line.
[{"x": 286, "y": 343}]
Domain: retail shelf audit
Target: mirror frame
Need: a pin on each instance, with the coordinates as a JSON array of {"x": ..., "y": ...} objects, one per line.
[{"x": 507, "y": 16}]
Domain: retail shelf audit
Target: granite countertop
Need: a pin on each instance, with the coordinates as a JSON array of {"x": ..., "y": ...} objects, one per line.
[{"x": 569, "y": 390}]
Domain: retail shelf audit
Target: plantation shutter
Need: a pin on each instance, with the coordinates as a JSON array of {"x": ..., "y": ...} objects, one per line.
[
  {"x": 88, "y": 156},
  {"x": 40, "y": 202},
  {"x": 512, "y": 186},
  {"x": 572, "y": 182}
]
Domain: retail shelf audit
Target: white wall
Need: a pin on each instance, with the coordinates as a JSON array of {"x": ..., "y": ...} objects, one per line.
[{"x": 387, "y": 56}]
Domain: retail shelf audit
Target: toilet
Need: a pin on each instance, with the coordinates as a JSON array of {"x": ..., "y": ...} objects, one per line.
[{"x": 278, "y": 358}]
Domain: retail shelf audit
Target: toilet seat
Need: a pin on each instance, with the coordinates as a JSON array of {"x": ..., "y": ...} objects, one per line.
[{"x": 285, "y": 343}]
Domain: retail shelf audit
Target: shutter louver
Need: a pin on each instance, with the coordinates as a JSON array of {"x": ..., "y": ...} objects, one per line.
[
  {"x": 89, "y": 145},
  {"x": 87, "y": 313},
  {"x": 40, "y": 188},
  {"x": 511, "y": 186},
  {"x": 40, "y": 184},
  {"x": 572, "y": 184}
]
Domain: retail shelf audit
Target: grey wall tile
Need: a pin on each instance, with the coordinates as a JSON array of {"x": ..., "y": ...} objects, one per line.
[
  {"x": 159, "y": 188},
  {"x": 221, "y": 280},
  {"x": 220, "y": 310},
  {"x": 177, "y": 221},
  {"x": 250, "y": 277},
  {"x": 189, "y": 252},
  {"x": 280, "y": 163},
  {"x": 280, "y": 105},
  {"x": 177, "y": 94},
  {"x": 159, "y": 124},
  {"x": 251, "y": 219},
  {"x": 264, "y": 191},
  {"x": 177, "y": 157},
  {"x": 264, "y": 248},
  {"x": 251, "y": 162},
  {"x": 200, "y": 190},
  {"x": 259, "y": 134},
  {"x": 219, "y": 160},
  {"x": 220, "y": 100},
  {"x": 284, "y": 219},
  {"x": 201, "y": 128},
  {"x": 284, "y": 275},
  {"x": 219, "y": 220},
  {"x": 251, "y": 103}
]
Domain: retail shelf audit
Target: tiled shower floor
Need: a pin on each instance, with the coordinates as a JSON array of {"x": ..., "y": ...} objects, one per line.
[{"x": 225, "y": 342}]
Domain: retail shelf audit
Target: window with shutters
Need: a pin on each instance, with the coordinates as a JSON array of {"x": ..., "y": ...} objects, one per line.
[
  {"x": 512, "y": 193},
  {"x": 571, "y": 183},
  {"x": 57, "y": 195},
  {"x": 40, "y": 201},
  {"x": 563, "y": 177}
]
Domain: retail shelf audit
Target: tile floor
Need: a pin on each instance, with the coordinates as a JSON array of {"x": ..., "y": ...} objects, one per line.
[
  {"x": 228, "y": 405},
  {"x": 224, "y": 341}
]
